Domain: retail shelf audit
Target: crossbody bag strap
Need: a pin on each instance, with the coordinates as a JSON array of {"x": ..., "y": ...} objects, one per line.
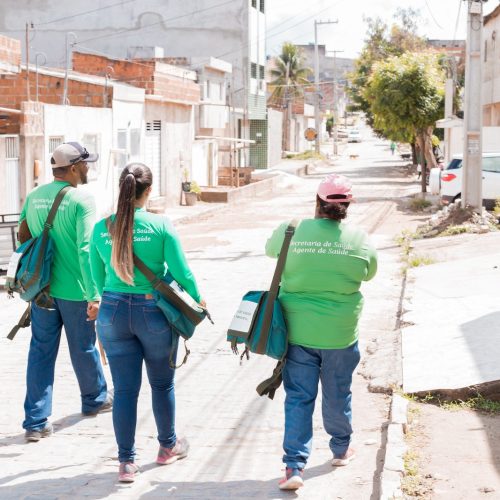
[
  {"x": 45, "y": 234},
  {"x": 150, "y": 275},
  {"x": 275, "y": 284}
]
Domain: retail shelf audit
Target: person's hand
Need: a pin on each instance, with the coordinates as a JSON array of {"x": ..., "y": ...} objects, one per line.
[
  {"x": 92, "y": 310},
  {"x": 203, "y": 303}
]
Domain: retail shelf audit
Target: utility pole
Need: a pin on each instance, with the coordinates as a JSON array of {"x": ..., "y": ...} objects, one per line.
[
  {"x": 69, "y": 48},
  {"x": 473, "y": 111},
  {"x": 28, "y": 96},
  {"x": 317, "y": 119},
  {"x": 335, "y": 107}
]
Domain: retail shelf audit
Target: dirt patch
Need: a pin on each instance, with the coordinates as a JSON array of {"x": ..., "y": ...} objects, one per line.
[
  {"x": 455, "y": 220},
  {"x": 452, "y": 455}
]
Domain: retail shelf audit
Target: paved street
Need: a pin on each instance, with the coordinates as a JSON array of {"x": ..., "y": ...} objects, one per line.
[{"x": 235, "y": 436}]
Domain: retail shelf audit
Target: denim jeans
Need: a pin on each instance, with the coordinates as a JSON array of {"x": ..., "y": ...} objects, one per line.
[
  {"x": 133, "y": 329},
  {"x": 46, "y": 325},
  {"x": 304, "y": 368}
]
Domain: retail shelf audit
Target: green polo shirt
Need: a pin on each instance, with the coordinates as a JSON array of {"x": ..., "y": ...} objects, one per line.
[
  {"x": 155, "y": 242},
  {"x": 326, "y": 264},
  {"x": 70, "y": 272}
]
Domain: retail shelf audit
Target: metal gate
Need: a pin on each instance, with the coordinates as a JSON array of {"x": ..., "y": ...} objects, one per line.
[
  {"x": 11, "y": 204},
  {"x": 153, "y": 155}
]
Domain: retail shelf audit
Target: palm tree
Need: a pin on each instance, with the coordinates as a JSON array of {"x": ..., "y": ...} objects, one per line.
[{"x": 290, "y": 76}]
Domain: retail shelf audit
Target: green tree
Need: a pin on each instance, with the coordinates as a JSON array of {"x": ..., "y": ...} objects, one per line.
[
  {"x": 289, "y": 76},
  {"x": 406, "y": 97},
  {"x": 383, "y": 41}
]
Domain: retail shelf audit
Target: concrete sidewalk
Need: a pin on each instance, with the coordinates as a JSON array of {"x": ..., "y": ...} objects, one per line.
[{"x": 453, "y": 317}]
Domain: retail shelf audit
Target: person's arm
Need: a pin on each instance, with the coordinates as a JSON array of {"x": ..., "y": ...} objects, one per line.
[
  {"x": 371, "y": 254},
  {"x": 275, "y": 242},
  {"x": 177, "y": 263},
  {"x": 85, "y": 218},
  {"x": 97, "y": 267},
  {"x": 24, "y": 233}
]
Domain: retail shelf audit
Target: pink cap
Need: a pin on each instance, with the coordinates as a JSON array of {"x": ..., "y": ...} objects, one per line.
[{"x": 332, "y": 185}]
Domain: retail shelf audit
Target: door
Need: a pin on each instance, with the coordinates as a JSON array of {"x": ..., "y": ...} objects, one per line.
[
  {"x": 11, "y": 203},
  {"x": 152, "y": 154}
]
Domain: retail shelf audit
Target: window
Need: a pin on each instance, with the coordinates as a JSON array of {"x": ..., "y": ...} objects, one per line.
[
  {"x": 54, "y": 142},
  {"x": 254, "y": 4},
  {"x": 262, "y": 6},
  {"x": 135, "y": 142},
  {"x": 91, "y": 143},
  {"x": 261, "y": 72},
  {"x": 121, "y": 139},
  {"x": 491, "y": 164},
  {"x": 253, "y": 70}
]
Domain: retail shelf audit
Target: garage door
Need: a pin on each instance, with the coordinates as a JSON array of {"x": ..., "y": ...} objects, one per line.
[{"x": 153, "y": 154}]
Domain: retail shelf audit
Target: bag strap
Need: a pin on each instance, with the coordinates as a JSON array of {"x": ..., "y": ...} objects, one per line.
[
  {"x": 173, "y": 351},
  {"x": 273, "y": 290},
  {"x": 158, "y": 284},
  {"x": 268, "y": 387},
  {"x": 23, "y": 322},
  {"x": 45, "y": 234},
  {"x": 55, "y": 206}
]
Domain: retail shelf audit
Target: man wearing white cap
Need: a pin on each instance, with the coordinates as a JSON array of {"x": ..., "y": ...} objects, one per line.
[{"x": 75, "y": 297}]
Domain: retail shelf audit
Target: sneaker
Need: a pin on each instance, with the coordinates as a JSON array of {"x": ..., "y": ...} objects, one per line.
[
  {"x": 32, "y": 435},
  {"x": 106, "y": 406},
  {"x": 127, "y": 472},
  {"x": 168, "y": 456},
  {"x": 344, "y": 459},
  {"x": 292, "y": 480}
]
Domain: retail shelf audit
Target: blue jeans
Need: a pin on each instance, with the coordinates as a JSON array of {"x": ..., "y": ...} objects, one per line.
[
  {"x": 133, "y": 329},
  {"x": 46, "y": 325},
  {"x": 304, "y": 368}
]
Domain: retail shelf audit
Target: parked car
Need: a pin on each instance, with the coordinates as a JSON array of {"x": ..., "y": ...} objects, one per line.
[
  {"x": 404, "y": 150},
  {"x": 342, "y": 133},
  {"x": 448, "y": 182},
  {"x": 354, "y": 135}
]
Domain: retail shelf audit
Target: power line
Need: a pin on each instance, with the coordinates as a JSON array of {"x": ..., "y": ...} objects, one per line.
[
  {"x": 163, "y": 21},
  {"x": 432, "y": 15},
  {"x": 457, "y": 21},
  {"x": 83, "y": 13}
]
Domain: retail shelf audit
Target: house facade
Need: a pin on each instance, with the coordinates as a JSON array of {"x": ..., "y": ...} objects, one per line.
[
  {"x": 491, "y": 69},
  {"x": 233, "y": 31}
]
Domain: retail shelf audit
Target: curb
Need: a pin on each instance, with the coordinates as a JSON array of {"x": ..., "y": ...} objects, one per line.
[{"x": 395, "y": 449}]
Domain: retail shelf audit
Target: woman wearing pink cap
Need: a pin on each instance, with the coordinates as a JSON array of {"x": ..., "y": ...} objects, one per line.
[{"x": 326, "y": 264}]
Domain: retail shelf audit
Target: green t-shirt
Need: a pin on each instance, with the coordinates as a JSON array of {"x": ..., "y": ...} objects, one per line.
[
  {"x": 70, "y": 272},
  {"x": 326, "y": 263},
  {"x": 155, "y": 242}
]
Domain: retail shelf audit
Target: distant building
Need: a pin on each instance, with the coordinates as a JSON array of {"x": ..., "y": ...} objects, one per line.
[
  {"x": 233, "y": 31},
  {"x": 449, "y": 47},
  {"x": 491, "y": 70}
]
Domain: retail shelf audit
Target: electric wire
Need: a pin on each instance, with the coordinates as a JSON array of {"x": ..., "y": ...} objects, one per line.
[{"x": 432, "y": 15}]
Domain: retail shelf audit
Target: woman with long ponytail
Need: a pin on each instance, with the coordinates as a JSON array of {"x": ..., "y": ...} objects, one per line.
[{"x": 131, "y": 327}]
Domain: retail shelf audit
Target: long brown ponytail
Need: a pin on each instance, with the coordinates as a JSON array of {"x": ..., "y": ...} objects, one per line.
[{"x": 134, "y": 180}]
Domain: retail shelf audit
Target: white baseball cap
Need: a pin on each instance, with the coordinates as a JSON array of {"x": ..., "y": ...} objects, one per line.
[{"x": 70, "y": 153}]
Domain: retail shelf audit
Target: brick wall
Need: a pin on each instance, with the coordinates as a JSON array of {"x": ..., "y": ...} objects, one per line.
[
  {"x": 141, "y": 74},
  {"x": 50, "y": 89},
  {"x": 13, "y": 92},
  {"x": 10, "y": 54}
]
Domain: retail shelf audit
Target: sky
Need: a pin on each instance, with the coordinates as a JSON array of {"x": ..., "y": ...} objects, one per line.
[{"x": 293, "y": 20}]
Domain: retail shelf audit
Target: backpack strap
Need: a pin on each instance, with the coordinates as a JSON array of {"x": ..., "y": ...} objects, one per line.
[
  {"x": 45, "y": 234},
  {"x": 23, "y": 322},
  {"x": 268, "y": 387},
  {"x": 273, "y": 290}
]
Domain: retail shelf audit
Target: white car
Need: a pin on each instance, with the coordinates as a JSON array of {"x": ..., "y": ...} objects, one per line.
[
  {"x": 448, "y": 182},
  {"x": 354, "y": 135}
]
